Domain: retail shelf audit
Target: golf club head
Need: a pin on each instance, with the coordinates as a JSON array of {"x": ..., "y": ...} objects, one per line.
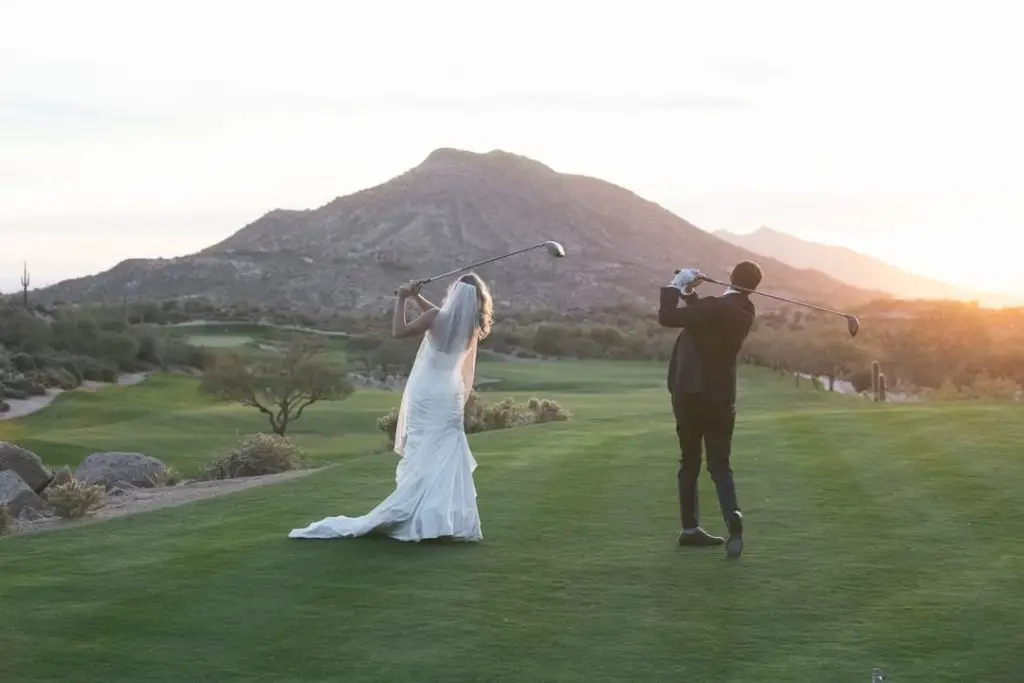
[
  {"x": 555, "y": 249},
  {"x": 852, "y": 324}
]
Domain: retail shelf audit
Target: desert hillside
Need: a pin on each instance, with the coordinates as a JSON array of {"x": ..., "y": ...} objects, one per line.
[{"x": 455, "y": 207}]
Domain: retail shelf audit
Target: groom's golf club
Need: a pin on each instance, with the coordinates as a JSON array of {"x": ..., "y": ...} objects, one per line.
[
  {"x": 553, "y": 248},
  {"x": 852, "y": 324}
]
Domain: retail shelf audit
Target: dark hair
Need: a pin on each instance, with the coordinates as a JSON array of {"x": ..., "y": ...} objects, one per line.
[
  {"x": 483, "y": 295},
  {"x": 746, "y": 274}
]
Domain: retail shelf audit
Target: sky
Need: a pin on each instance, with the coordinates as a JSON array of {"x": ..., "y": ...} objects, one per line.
[{"x": 146, "y": 129}]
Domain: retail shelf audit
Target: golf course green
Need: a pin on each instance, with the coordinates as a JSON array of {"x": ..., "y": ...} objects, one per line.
[{"x": 877, "y": 536}]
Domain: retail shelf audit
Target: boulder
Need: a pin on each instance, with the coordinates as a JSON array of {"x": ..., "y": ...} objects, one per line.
[
  {"x": 19, "y": 498},
  {"x": 116, "y": 469},
  {"x": 25, "y": 464}
]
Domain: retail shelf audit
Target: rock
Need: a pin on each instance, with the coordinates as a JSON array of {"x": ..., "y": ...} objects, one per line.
[
  {"x": 25, "y": 464},
  {"x": 61, "y": 477},
  {"x": 5, "y": 407},
  {"x": 19, "y": 498},
  {"x": 116, "y": 469}
]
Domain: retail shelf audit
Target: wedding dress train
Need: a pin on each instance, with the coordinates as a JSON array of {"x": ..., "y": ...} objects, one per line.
[{"x": 434, "y": 495}]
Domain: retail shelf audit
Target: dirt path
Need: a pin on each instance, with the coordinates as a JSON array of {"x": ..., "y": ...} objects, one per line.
[
  {"x": 20, "y": 407},
  {"x": 144, "y": 500}
]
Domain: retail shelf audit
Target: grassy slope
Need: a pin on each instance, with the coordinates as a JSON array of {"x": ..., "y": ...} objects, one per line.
[{"x": 878, "y": 536}]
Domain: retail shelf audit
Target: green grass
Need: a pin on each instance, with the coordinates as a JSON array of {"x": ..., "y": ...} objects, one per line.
[
  {"x": 219, "y": 341},
  {"x": 877, "y": 536}
]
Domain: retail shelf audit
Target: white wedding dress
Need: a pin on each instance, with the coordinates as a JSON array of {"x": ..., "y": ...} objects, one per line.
[{"x": 434, "y": 496}]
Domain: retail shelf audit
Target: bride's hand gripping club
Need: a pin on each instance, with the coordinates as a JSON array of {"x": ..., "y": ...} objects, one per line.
[{"x": 409, "y": 289}]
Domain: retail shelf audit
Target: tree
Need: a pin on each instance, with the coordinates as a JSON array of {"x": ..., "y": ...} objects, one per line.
[
  {"x": 280, "y": 386},
  {"x": 833, "y": 354},
  {"x": 393, "y": 354}
]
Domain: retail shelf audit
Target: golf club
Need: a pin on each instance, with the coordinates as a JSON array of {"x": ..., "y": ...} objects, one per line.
[
  {"x": 553, "y": 248},
  {"x": 852, "y": 324}
]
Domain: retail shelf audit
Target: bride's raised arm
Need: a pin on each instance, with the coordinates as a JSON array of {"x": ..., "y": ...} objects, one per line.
[{"x": 400, "y": 328}]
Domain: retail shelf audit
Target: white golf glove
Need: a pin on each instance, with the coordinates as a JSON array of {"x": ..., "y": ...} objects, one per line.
[{"x": 686, "y": 279}]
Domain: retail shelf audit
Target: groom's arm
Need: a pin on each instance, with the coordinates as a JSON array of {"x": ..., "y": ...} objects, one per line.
[{"x": 694, "y": 313}]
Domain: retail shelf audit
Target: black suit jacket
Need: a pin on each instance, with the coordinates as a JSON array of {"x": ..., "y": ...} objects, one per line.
[{"x": 713, "y": 330}]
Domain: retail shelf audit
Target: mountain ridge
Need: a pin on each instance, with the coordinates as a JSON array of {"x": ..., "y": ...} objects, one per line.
[
  {"x": 455, "y": 207},
  {"x": 855, "y": 268}
]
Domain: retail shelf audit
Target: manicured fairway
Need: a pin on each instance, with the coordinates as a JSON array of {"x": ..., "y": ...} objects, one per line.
[{"x": 877, "y": 536}]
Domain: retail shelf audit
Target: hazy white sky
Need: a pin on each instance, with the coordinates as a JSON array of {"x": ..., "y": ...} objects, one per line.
[{"x": 157, "y": 128}]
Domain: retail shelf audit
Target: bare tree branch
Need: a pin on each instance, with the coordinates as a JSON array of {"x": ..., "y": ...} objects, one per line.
[{"x": 281, "y": 386}]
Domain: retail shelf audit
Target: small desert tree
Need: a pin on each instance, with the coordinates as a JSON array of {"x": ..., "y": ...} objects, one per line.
[{"x": 282, "y": 385}]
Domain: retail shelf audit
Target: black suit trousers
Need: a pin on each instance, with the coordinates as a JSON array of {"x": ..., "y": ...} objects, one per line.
[{"x": 704, "y": 424}]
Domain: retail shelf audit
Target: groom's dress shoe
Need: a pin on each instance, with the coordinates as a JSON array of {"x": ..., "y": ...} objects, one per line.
[
  {"x": 699, "y": 538},
  {"x": 734, "y": 546}
]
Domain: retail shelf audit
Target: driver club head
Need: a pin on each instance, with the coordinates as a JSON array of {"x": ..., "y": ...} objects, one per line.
[
  {"x": 852, "y": 324},
  {"x": 555, "y": 249}
]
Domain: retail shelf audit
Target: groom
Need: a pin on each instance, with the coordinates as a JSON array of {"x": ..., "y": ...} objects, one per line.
[{"x": 702, "y": 383}]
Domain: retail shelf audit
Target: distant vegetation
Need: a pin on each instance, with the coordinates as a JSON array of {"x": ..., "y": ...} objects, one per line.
[
  {"x": 62, "y": 347},
  {"x": 930, "y": 348}
]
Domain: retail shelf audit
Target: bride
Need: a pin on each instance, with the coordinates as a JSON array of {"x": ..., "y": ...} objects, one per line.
[{"x": 434, "y": 496}]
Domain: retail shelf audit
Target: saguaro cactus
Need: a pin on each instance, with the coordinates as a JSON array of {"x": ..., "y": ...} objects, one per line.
[
  {"x": 881, "y": 388},
  {"x": 876, "y": 371},
  {"x": 26, "y": 280}
]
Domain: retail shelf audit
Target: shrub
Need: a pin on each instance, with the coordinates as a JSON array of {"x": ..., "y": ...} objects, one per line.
[
  {"x": 55, "y": 377},
  {"x": 121, "y": 349},
  {"x": 257, "y": 455},
  {"x": 548, "y": 410},
  {"x": 20, "y": 386},
  {"x": 16, "y": 394},
  {"x": 861, "y": 380},
  {"x": 108, "y": 372},
  {"x": 985, "y": 387},
  {"x": 172, "y": 477},
  {"x": 75, "y": 499},
  {"x": 505, "y": 414},
  {"x": 389, "y": 424},
  {"x": 481, "y": 416},
  {"x": 23, "y": 362}
]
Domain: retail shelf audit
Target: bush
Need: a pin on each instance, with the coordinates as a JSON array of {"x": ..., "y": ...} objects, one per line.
[
  {"x": 120, "y": 349},
  {"x": 255, "y": 456},
  {"x": 20, "y": 386},
  {"x": 23, "y": 362},
  {"x": 172, "y": 477},
  {"x": 55, "y": 377},
  {"x": 861, "y": 380},
  {"x": 982, "y": 387},
  {"x": 505, "y": 414},
  {"x": 388, "y": 424},
  {"x": 548, "y": 410},
  {"x": 75, "y": 499},
  {"x": 481, "y": 416},
  {"x": 16, "y": 394}
]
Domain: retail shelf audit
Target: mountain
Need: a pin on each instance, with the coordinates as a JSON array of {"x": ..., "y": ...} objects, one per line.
[
  {"x": 455, "y": 208},
  {"x": 855, "y": 268}
]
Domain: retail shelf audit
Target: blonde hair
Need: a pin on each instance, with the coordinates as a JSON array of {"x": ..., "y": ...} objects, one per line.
[{"x": 483, "y": 297}]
